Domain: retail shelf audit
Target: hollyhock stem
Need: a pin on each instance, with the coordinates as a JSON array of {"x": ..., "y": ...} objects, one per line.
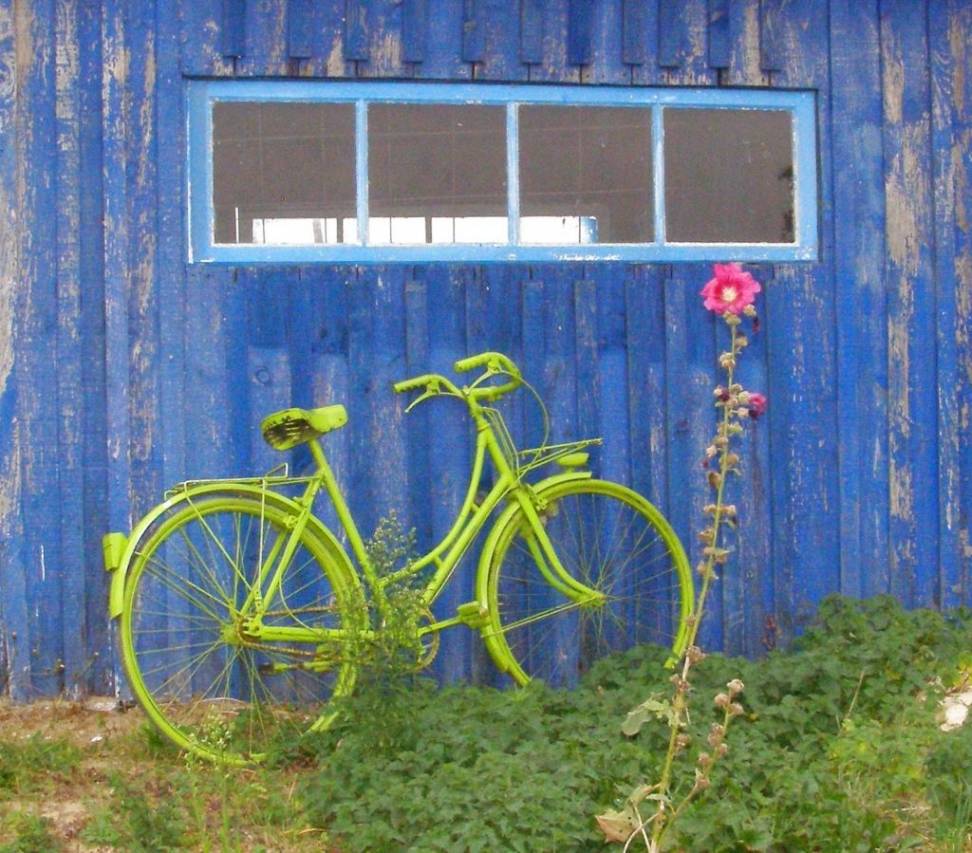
[{"x": 680, "y": 701}]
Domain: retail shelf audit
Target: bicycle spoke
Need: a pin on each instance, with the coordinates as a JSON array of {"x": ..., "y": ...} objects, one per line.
[
  {"x": 606, "y": 540},
  {"x": 186, "y": 665}
]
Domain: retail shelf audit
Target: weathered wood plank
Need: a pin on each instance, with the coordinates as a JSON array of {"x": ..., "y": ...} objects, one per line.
[
  {"x": 143, "y": 334},
  {"x": 266, "y": 29},
  {"x": 742, "y": 53},
  {"x": 415, "y": 28},
  {"x": 683, "y": 43},
  {"x": 15, "y": 220},
  {"x": 579, "y": 28},
  {"x": 443, "y": 55},
  {"x": 300, "y": 37},
  {"x": 690, "y": 376},
  {"x": 606, "y": 62},
  {"x": 233, "y": 28},
  {"x": 115, "y": 59},
  {"x": 859, "y": 282},
  {"x": 384, "y": 35},
  {"x": 418, "y": 422},
  {"x": 911, "y": 375},
  {"x": 203, "y": 41},
  {"x": 800, "y": 310},
  {"x": 91, "y": 273},
  {"x": 499, "y": 25},
  {"x": 70, "y": 398},
  {"x": 720, "y": 42},
  {"x": 531, "y": 31},
  {"x": 38, "y": 411},
  {"x": 950, "y": 50},
  {"x": 554, "y": 66},
  {"x": 356, "y": 30},
  {"x": 449, "y": 439}
]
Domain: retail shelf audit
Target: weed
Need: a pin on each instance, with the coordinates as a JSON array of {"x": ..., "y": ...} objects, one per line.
[
  {"x": 32, "y": 763},
  {"x": 32, "y": 835}
]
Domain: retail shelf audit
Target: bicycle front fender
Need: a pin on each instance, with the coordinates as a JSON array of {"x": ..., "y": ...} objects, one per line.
[
  {"x": 119, "y": 549},
  {"x": 489, "y": 546}
]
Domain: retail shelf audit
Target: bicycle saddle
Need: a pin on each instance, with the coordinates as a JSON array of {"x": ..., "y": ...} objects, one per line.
[{"x": 290, "y": 427}]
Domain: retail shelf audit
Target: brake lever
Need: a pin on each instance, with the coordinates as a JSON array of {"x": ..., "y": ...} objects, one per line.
[{"x": 431, "y": 390}]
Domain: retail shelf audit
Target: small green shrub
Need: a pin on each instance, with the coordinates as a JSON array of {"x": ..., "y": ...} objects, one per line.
[{"x": 838, "y": 750}]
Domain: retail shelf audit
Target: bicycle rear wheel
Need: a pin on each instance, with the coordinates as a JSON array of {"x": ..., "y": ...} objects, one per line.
[
  {"x": 206, "y": 682},
  {"x": 612, "y": 541}
]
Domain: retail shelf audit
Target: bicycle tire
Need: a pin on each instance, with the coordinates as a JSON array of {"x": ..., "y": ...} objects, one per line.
[
  {"x": 205, "y": 686},
  {"x": 612, "y": 540}
]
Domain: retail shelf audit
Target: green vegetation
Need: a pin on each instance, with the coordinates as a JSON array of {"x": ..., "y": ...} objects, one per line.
[{"x": 839, "y": 749}]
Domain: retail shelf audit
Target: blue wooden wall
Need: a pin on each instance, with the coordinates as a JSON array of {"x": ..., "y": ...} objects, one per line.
[{"x": 123, "y": 369}]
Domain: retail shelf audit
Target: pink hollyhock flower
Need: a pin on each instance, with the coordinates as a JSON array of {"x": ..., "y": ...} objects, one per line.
[
  {"x": 731, "y": 290},
  {"x": 757, "y": 404}
]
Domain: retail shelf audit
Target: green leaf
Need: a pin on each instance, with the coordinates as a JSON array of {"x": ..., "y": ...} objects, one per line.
[{"x": 660, "y": 709}]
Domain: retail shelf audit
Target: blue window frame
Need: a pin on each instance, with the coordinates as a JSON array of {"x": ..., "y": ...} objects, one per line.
[{"x": 509, "y": 197}]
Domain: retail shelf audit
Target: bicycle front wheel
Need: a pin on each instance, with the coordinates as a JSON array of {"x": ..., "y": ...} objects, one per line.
[
  {"x": 612, "y": 542},
  {"x": 203, "y": 674}
]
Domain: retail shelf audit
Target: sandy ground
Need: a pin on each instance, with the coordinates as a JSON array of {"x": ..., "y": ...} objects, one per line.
[{"x": 102, "y": 729}]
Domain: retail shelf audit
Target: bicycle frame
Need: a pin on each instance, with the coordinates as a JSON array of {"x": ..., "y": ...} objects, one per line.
[{"x": 445, "y": 555}]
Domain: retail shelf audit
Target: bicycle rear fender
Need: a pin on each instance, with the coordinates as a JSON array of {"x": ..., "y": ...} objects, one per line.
[{"x": 120, "y": 549}]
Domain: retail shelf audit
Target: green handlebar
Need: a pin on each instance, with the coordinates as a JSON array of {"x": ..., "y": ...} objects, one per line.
[
  {"x": 496, "y": 364},
  {"x": 415, "y": 382},
  {"x": 495, "y": 361}
]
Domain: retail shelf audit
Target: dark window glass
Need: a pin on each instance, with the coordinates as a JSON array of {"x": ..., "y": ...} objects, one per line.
[
  {"x": 283, "y": 173},
  {"x": 585, "y": 175},
  {"x": 437, "y": 173},
  {"x": 728, "y": 176}
]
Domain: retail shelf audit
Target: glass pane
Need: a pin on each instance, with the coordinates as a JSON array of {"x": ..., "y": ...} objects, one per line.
[
  {"x": 728, "y": 176},
  {"x": 436, "y": 172},
  {"x": 585, "y": 175},
  {"x": 283, "y": 174}
]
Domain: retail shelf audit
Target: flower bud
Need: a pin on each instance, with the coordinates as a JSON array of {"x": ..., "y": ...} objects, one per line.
[
  {"x": 682, "y": 741},
  {"x": 735, "y": 687},
  {"x": 735, "y": 709},
  {"x": 694, "y": 654},
  {"x": 704, "y": 760},
  {"x": 750, "y": 310},
  {"x": 717, "y": 733},
  {"x": 722, "y": 700},
  {"x": 722, "y": 750}
]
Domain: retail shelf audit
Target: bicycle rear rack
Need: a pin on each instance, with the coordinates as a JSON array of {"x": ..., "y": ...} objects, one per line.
[{"x": 274, "y": 478}]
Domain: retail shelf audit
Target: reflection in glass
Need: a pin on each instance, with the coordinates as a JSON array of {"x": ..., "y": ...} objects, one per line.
[
  {"x": 283, "y": 173},
  {"x": 729, "y": 176},
  {"x": 585, "y": 175},
  {"x": 441, "y": 168}
]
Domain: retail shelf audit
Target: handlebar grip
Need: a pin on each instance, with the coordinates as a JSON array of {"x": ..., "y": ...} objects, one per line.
[
  {"x": 495, "y": 361},
  {"x": 412, "y": 384},
  {"x": 473, "y": 361}
]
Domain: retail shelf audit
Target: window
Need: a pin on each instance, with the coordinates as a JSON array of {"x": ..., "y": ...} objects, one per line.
[{"x": 386, "y": 171}]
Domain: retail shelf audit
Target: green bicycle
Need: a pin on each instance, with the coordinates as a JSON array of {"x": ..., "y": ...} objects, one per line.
[{"x": 242, "y": 613}]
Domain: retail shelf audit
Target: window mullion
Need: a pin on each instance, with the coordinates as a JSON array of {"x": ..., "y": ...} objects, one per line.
[
  {"x": 658, "y": 171},
  {"x": 361, "y": 168},
  {"x": 513, "y": 173}
]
